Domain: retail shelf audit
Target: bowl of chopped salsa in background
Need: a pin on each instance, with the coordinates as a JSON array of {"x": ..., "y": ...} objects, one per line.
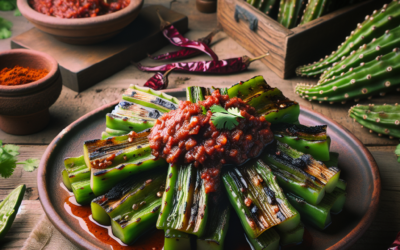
[
  {"x": 80, "y": 21},
  {"x": 30, "y": 82}
]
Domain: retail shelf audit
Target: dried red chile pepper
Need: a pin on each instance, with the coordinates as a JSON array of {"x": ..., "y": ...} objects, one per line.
[
  {"x": 175, "y": 38},
  {"x": 227, "y": 66},
  {"x": 186, "y": 52},
  {"x": 158, "y": 81}
]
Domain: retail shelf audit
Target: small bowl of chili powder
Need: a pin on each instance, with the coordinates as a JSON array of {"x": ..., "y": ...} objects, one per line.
[
  {"x": 30, "y": 82},
  {"x": 80, "y": 21}
]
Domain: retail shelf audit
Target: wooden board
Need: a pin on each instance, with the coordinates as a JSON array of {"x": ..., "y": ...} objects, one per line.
[
  {"x": 290, "y": 48},
  {"x": 82, "y": 66}
]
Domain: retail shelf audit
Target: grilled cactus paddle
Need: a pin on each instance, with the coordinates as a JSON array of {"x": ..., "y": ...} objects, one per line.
[
  {"x": 176, "y": 240},
  {"x": 375, "y": 77},
  {"x": 150, "y": 98},
  {"x": 217, "y": 226},
  {"x": 117, "y": 158},
  {"x": 382, "y": 119},
  {"x": 83, "y": 192},
  {"x": 268, "y": 101},
  {"x": 185, "y": 202},
  {"x": 313, "y": 10},
  {"x": 258, "y": 200},
  {"x": 319, "y": 215},
  {"x": 75, "y": 170},
  {"x": 367, "y": 52},
  {"x": 196, "y": 94},
  {"x": 76, "y": 177},
  {"x": 134, "y": 195},
  {"x": 269, "y": 240},
  {"x": 293, "y": 237},
  {"x": 289, "y": 12},
  {"x": 138, "y": 109},
  {"x": 309, "y": 140},
  {"x": 301, "y": 174},
  {"x": 374, "y": 26}
]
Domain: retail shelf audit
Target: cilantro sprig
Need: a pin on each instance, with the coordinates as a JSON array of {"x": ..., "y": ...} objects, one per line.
[
  {"x": 9, "y": 161},
  {"x": 225, "y": 119}
]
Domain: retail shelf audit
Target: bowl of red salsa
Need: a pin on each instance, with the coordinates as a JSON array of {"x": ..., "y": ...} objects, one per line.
[{"x": 80, "y": 21}]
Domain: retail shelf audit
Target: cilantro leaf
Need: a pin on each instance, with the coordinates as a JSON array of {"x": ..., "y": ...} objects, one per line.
[
  {"x": 217, "y": 108},
  {"x": 11, "y": 149},
  {"x": 5, "y": 28},
  {"x": 17, "y": 12},
  {"x": 397, "y": 152},
  {"x": 225, "y": 119},
  {"x": 235, "y": 112},
  {"x": 30, "y": 164},
  {"x": 7, "y": 163}
]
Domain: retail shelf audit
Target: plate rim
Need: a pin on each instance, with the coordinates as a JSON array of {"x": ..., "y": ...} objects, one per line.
[{"x": 78, "y": 240}]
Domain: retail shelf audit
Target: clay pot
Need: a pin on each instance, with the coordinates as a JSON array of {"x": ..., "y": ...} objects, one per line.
[
  {"x": 24, "y": 109},
  {"x": 86, "y": 30},
  {"x": 206, "y": 6}
]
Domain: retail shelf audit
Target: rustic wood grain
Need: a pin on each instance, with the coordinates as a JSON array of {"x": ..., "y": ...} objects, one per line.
[{"x": 269, "y": 37}]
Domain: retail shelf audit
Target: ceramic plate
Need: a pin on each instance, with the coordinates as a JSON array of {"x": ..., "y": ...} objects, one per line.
[{"x": 359, "y": 169}]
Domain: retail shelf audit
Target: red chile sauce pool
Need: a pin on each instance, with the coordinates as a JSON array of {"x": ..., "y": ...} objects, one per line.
[
  {"x": 77, "y": 8},
  {"x": 154, "y": 240}
]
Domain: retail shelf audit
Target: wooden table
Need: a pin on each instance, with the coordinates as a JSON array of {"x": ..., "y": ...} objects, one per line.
[{"x": 72, "y": 105}]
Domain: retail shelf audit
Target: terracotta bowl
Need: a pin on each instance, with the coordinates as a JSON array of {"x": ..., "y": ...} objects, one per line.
[
  {"x": 87, "y": 30},
  {"x": 24, "y": 109}
]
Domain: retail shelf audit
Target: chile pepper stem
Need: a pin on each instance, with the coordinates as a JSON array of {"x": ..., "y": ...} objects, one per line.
[
  {"x": 258, "y": 58},
  {"x": 168, "y": 71},
  {"x": 163, "y": 23}
]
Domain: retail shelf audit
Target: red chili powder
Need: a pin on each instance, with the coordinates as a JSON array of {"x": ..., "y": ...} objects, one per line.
[{"x": 20, "y": 75}]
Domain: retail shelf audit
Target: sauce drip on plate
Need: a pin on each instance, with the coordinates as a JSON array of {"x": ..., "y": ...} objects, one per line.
[{"x": 151, "y": 241}]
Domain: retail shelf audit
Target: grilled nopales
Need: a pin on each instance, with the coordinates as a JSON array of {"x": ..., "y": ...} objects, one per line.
[
  {"x": 138, "y": 110},
  {"x": 289, "y": 12},
  {"x": 382, "y": 119},
  {"x": 374, "y": 26},
  {"x": 375, "y": 77},
  {"x": 258, "y": 200},
  {"x": 309, "y": 140}
]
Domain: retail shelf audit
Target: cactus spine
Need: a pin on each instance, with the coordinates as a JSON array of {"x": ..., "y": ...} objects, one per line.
[
  {"x": 289, "y": 12},
  {"x": 313, "y": 10},
  {"x": 374, "y": 26},
  {"x": 375, "y": 77},
  {"x": 382, "y": 119},
  {"x": 367, "y": 52}
]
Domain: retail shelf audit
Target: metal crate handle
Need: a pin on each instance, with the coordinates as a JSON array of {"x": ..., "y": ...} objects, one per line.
[{"x": 247, "y": 16}]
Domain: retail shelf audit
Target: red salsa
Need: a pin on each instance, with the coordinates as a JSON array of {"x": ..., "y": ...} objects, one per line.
[
  {"x": 186, "y": 135},
  {"x": 77, "y": 8}
]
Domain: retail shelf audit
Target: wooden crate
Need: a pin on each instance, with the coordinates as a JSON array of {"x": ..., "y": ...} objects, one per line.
[{"x": 289, "y": 48}]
